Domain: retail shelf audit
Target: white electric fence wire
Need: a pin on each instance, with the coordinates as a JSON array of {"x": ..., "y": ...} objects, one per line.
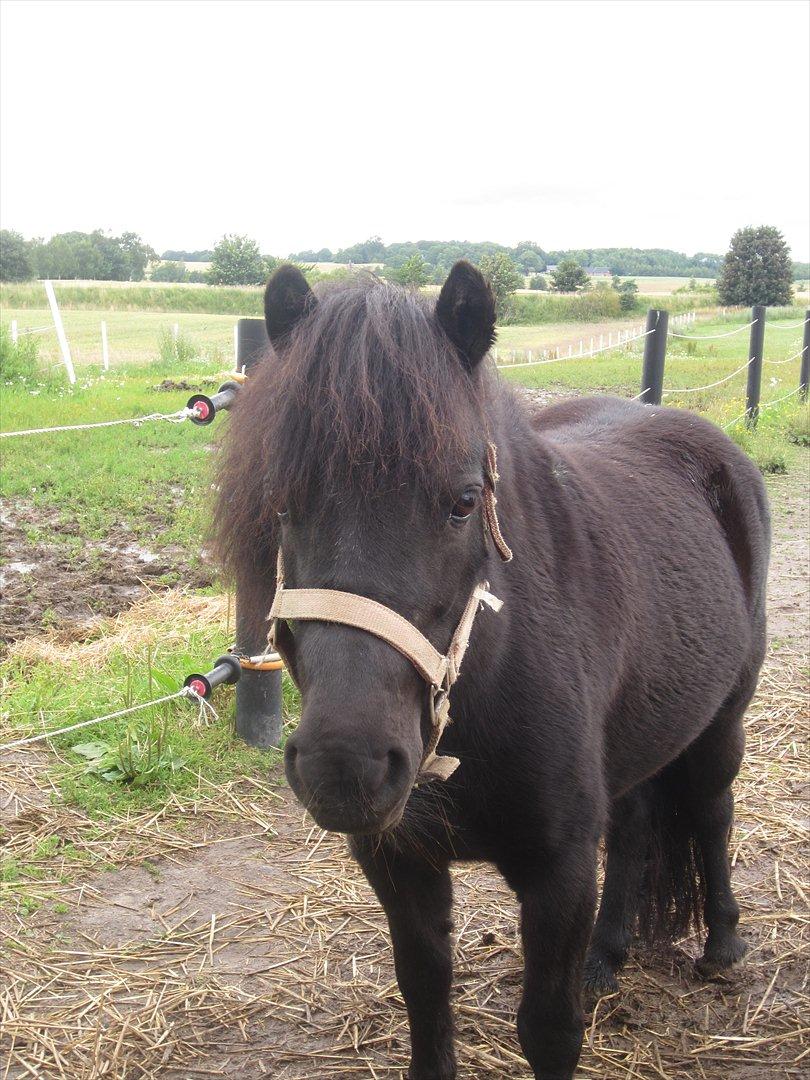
[
  {"x": 787, "y": 359},
  {"x": 788, "y": 326},
  {"x": 34, "y": 329},
  {"x": 186, "y": 692},
  {"x": 708, "y": 386},
  {"x": 576, "y": 356},
  {"x": 173, "y": 418},
  {"x": 762, "y": 405},
  {"x": 711, "y": 337}
]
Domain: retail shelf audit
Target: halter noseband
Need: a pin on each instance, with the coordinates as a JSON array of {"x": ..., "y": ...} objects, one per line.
[{"x": 439, "y": 671}]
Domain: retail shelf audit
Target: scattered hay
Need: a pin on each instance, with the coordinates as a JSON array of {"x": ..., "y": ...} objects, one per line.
[
  {"x": 163, "y": 617},
  {"x": 254, "y": 948}
]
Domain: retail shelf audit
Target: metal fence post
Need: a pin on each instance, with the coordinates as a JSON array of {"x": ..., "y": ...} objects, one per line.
[
  {"x": 655, "y": 351},
  {"x": 755, "y": 349},
  {"x": 804, "y": 374},
  {"x": 258, "y": 693}
]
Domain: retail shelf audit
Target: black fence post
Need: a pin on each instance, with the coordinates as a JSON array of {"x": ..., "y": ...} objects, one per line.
[
  {"x": 755, "y": 349},
  {"x": 258, "y": 693},
  {"x": 251, "y": 342},
  {"x": 804, "y": 374},
  {"x": 655, "y": 351}
]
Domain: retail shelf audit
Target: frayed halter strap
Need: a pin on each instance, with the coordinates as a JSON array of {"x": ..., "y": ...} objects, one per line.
[{"x": 438, "y": 670}]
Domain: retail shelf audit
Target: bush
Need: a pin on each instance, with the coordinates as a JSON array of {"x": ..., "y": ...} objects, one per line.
[
  {"x": 538, "y": 283},
  {"x": 238, "y": 261},
  {"x": 504, "y": 279},
  {"x": 569, "y": 277},
  {"x": 18, "y": 362},
  {"x": 170, "y": 271}
]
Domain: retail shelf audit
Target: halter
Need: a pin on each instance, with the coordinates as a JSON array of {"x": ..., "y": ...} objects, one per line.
[{"x": 440, "y": 671}]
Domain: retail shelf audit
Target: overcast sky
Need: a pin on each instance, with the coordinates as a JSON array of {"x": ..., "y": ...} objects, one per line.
[{"x": 315, "y": 124}]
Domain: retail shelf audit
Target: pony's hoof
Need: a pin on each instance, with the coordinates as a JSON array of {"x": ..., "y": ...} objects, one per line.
[
  {"x": 716, "y": 960},
  {"x": 599, "y": 979}
]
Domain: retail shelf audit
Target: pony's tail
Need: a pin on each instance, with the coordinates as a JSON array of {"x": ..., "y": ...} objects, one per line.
[{"x": 673, "y": 891}]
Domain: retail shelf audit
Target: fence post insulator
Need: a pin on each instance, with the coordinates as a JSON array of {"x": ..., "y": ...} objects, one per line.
[
  {"x": 655, "y": 351},
  {"x": 226, "y": 669},
  {"x": 204, "y": 409},
  {"x": 755, "y": 352}
]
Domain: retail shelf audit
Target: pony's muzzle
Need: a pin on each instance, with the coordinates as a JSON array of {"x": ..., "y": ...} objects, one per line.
[{"x": 348, "y": 788}]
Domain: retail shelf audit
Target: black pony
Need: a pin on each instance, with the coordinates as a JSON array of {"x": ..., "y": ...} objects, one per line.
[{"x": 604, "y": 700}]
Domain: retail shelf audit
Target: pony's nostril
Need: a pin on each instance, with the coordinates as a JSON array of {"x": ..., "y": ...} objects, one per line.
[{"x": 397, "y": 766}]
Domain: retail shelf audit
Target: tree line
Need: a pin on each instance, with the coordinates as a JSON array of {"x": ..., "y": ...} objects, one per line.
[
  {"x": 757, "y": 268},
  {"x": 527, "y": 256},
  {"x": 94, "y": 256}
]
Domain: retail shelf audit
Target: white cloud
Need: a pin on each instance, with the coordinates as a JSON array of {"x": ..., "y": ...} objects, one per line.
[{"x": 318, "y": 124}]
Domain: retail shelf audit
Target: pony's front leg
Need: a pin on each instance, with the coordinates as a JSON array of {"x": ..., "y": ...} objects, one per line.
[
  {"x": 558, "y": 898},
  {"x": 417, "y": 898}
]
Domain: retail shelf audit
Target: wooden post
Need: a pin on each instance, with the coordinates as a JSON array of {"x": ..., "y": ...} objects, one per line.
[
  {"x": 105, "y": 350},
  {"x": 655, "y": 351},
  {"x": 804, "y": 374},
  {"x": 258, "y": 693},
  {"x": 755, "y": 350},
  {"x": 60, "y": 332}
]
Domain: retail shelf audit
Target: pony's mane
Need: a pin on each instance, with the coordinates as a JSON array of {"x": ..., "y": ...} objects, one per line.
[{"x": 368, "y": 392}]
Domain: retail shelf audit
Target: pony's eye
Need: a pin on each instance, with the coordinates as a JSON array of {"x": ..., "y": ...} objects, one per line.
[{"x": 464, "y": 506}]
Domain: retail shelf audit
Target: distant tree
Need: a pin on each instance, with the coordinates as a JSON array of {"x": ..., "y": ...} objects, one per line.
[
  {"x": 16, "y": 263},
  {"x": 538, "y": 283},
  {"x": 170, "y": 271},
  {"x": 504, "y": 279},
  {"x": 569, "y": 277},
  {"x": 414, "y": 271},
  {"x": 138, "y": 255},
  {"x": 757, "y": 268},
  {"x": 627, "y": 290},
  {"x": 237, "y": 261}
]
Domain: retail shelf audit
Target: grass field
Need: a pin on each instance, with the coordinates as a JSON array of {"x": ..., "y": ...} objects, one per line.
[{"x": 115, "y": 833}]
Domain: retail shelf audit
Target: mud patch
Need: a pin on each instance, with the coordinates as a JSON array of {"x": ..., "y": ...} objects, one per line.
[{"x": 53, "y": 578}]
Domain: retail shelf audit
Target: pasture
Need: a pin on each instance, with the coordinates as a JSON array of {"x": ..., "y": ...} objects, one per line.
[{"x": 179, "y": 917}]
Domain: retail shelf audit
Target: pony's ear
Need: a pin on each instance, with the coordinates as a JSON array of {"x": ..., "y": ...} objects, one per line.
[
  {"x": 287, "y": 299},
  {"x": 465, "y": 311}
]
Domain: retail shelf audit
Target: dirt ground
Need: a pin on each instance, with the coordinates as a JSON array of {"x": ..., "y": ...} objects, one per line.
[
  {"x": 238, "y": 940},
  {"x": 48, "y": 580}
]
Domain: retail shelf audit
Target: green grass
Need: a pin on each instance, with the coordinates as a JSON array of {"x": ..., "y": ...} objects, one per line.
[
  {"x": 43, "y": 696},
  {"x": 155, "y": 478},
  {"x": 134, "y": 337},
  {"x": 689, "y": 364}
]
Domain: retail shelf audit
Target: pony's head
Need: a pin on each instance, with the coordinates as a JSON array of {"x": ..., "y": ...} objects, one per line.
[{"x": 370, "y": 454}]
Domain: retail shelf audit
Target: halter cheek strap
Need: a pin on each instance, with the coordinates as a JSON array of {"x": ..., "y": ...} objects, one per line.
[{"x": 439, "y": 670}]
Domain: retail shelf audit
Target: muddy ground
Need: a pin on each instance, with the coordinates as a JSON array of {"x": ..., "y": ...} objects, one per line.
[
  {"x": 51, "y": 577},
  {"x": 239, "y": 941}
]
